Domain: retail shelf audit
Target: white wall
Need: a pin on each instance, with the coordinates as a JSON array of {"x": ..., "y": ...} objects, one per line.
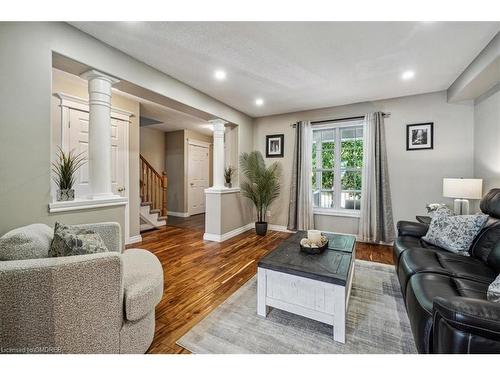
[
  {"x": 415, "y": 176},
  {"x": 487, "y": 138}
]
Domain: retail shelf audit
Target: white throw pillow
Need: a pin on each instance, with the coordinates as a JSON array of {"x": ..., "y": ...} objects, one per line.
[
  {"x": 29, "y": 242},
  {"x": 454, "y": 233},
  {"x": 494, "y": 290}
]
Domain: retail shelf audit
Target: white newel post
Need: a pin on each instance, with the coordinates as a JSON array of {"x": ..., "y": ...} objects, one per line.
[
  {"x": 218, "y": 178},
  {"x": 99, "y": 133}
]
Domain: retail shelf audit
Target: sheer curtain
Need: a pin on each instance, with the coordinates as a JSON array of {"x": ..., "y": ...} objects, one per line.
[
  {"x": 300, "y": 212},
  {"x": 376, "y": 223}
]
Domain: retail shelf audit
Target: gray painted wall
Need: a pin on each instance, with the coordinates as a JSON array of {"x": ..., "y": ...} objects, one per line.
[
  {"x": 487, "y": 138},
  {"x": 416, "y": 176},
  {"x": 174, "y": 163},
  {"x": 25, "y": 104}
]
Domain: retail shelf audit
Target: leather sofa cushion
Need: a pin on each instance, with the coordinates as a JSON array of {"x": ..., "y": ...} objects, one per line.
[
  {"x": 421, "y": 291},
  {"x": 444, "y": 263},
  {"x": 403, "y": 243}
]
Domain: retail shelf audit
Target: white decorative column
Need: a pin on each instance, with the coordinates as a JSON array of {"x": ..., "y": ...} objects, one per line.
[
  {"x": 99, "y": 133},
  {"x": 219, "y": 128}
]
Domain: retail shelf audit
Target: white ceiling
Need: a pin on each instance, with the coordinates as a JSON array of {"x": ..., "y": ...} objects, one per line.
[
  {"x": 301, "y": 65},
  {"x": 172, "y": 120}
]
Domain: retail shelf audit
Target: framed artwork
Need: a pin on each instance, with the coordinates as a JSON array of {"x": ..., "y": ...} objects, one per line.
[
  {"x": 420, "y": 136},
  {"x": 275, "y": 145}
]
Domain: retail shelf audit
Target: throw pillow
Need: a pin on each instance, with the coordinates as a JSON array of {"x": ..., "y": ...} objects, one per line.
[
  {"x": 69, "y": 240},
  {"x": 28, "y": 242},
  {"x": 494, "y": 290},
  {"x": 454, "y": 233}
]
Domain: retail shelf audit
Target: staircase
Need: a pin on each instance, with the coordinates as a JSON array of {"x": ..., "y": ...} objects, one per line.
[{"x": 153, "y": 191}]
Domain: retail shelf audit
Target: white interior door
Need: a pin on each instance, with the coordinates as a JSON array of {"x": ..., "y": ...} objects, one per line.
[
  {"x": 78, "y": 140},
  {"x": 198, "y": 174}
]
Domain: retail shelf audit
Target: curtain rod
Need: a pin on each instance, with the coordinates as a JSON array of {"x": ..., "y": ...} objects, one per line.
[{"x": 388, "y": 114}]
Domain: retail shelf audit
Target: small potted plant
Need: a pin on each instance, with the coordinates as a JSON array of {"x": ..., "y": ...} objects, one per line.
[
  {"x": 65, "y": 168},
  {"x": 228, "y": 176},
  {"x": 261, "y": 186}
]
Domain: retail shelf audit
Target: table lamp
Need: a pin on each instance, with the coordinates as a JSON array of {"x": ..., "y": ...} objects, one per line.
[{"x": 462, "y": 189}]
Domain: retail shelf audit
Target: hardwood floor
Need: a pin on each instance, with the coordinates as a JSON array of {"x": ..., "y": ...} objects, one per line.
[{"x": 200, "y": 275}]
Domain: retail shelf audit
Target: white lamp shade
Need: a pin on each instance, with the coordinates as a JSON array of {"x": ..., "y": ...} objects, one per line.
[{"x": 465, "y": 188}]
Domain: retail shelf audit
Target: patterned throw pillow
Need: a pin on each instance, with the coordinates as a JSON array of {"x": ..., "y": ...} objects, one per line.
[
  {"x": 454, "y": 233},
  {"x": 69, "y": 240},
  {"x": 494, "y": 290}
]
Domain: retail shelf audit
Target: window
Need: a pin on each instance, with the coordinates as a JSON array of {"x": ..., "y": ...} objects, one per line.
[{"x": 337, "y": 157}]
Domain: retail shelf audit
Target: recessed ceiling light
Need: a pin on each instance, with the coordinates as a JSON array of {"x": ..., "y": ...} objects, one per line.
[
  {"x": 409, "y": 74},
  {"x": 259, "y": 101},
  {"x": 220, "y": 75}
]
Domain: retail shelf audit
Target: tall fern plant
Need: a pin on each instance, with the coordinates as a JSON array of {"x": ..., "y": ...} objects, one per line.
[{"x": 262, "y": 184}]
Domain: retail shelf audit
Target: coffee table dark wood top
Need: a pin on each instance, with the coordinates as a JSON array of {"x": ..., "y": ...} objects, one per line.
[{"x": 331, "y": 266}]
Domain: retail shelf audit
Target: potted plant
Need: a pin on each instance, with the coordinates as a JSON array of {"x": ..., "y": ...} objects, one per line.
[
  {"x": 228, "y": 175},
  {"x": 262, "y": 185},
  {"x": 65, "y": 168}
]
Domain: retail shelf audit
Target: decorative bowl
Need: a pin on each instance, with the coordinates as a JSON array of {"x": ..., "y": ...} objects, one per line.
[{"x": 313, "y": 249}]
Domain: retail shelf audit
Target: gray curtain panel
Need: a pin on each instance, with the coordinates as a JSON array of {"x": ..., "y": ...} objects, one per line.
[
  {"x": 376, "y": 222},
  {"x": 300, "y": 212}
]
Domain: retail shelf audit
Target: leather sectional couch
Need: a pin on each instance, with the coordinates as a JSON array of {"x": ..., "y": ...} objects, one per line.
[{"x": 445, "y": 293}]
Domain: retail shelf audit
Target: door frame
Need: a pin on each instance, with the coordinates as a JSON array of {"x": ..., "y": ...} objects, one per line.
[
  {"x": 194, "y": 142},
  {"x": 68, "y": 102}
]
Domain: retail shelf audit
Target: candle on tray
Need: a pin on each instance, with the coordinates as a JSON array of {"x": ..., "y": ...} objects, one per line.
[{"x": 314, "y": 235}]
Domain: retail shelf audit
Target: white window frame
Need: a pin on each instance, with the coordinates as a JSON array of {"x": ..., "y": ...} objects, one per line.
[{"x": 337, "y": 188}]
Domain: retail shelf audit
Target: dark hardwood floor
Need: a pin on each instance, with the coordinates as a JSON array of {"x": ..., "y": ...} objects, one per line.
[{"x": 200, "y": 275}]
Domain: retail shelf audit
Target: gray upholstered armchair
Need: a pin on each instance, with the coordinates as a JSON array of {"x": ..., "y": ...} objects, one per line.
[{"x": 95, "y": 303}]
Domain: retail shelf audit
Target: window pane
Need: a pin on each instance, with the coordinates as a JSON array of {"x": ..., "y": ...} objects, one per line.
[
  {"x": 314, "y": 157},
  {"x": 327, "y": 180},
  {"x": 352, "y": 147},
  {"x": 351, "y": 180},
  {"x": 326, "y": 199},
  {"x": 327, "y": 154},
  {"x": 350, "y": 200}
]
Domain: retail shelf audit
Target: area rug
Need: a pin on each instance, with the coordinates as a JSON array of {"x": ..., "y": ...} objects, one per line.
[{"x": 376, "y": 322}]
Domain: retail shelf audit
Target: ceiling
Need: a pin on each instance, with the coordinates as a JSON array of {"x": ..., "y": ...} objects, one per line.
[
  {"x": 171, "y": 120},
  {"x": 295, "y": 66}
]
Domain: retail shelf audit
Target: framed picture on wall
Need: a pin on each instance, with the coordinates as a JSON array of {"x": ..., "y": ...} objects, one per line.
[
  {"x": 275, "y": 145},
  {"x": 420, "y": 136}
]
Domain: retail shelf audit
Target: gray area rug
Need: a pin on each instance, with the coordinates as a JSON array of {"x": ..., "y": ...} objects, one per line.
[{"x": 376, "y": 322}]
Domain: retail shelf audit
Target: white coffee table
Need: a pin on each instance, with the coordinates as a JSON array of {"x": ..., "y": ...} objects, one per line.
[{"x": 314, "y": 286}]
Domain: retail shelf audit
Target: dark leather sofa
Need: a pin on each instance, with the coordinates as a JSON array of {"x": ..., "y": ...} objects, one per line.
[{"x": 445, "y": 293}]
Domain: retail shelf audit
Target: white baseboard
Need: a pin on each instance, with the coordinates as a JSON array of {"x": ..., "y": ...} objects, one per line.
[
  {"x": 228, "y": 235},
  {"x": 134, "y": 239},
  {"x": 279, "y": 228},
  {"x": 178, "y": 214},
  {"x": 244, "y": 228}
]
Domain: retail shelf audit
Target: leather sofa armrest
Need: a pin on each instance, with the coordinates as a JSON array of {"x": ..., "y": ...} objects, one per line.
[
  {"x": 465, "y": 325},
  {"x": 414, "y": 229}
]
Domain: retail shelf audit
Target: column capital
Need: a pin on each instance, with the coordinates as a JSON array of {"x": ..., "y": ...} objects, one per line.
[
  {"x": 93, "y": 74},
  {"x": 218, "y": 124}
]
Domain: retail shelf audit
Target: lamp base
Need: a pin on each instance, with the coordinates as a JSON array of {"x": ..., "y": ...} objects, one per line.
[{"x": 461, "y": 206}]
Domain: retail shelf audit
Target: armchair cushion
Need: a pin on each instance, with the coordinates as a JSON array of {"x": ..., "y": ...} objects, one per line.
[
  {"x": 142, "y": 283},
  {"x": 28, "y": 242},
  {"x": 69, "y": 240}
]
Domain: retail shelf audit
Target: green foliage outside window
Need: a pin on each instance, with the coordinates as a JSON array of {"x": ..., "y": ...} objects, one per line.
[{"x": 351, "y": 156}]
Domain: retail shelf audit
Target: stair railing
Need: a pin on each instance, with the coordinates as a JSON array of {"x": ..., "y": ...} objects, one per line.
[{"x": 153, "y": 187}]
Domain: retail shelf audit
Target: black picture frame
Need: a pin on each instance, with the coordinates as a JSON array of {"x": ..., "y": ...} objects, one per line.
[
  {"x": 420, "y": 141},
  {"x": 275, "y": 146}
]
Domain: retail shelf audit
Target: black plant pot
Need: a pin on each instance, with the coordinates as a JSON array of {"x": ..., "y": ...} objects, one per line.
[{"x": 261, "y": 228}]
